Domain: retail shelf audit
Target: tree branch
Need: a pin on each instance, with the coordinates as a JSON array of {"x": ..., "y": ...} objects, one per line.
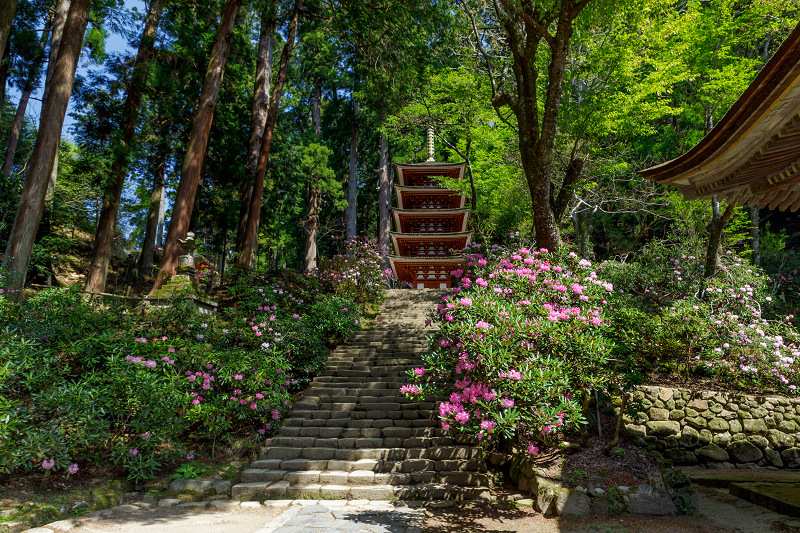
[
  {"x": 479, "y": 45},
  {"x": 529, "y": 21}
]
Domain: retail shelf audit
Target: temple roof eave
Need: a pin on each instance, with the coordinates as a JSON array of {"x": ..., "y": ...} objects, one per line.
[{"x": 753, "y": 154}]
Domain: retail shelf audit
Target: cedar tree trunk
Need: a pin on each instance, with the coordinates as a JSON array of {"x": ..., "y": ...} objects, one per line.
[
  {"x": 718, "y": 221},
  {"x": 104, "y": 238},
  {"x": 59, "y": 20},
  {"x": 20, "y": 242},
  {"x": 311, "y": 226},
  {"x": 198, "y": 140},
  {"x": 384, "y": 191},
  {"x": 7, "y": 10},
  {"x": 352, "y": 178},
  {"x": 251, "y": 229},
  {"x": 145, "y": 265},
  {"x": 259, "y": 114},
  {"x": 314, "y": 194},
  {"x": 22, "y": 106},
  {"x": 580, "y": 221},
  {"x": 5, "y": 60},
  {"x": 755, "y": 234}
]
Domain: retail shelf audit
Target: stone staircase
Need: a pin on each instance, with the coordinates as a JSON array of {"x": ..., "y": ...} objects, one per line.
[{"x": 353, "y": 436}]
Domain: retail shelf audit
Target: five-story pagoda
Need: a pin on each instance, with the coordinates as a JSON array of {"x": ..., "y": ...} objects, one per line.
[{"x": 430, "y": 222}]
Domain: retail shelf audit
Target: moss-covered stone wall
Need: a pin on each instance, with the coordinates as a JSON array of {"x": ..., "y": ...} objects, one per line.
[{"x": 717, "y": 429}]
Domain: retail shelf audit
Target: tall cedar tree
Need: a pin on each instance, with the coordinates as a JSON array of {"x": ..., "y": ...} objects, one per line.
[
  {"x": 352, "y": 177},
  {"x": 258, "y": 120},
  {"x": 57, "y": 21},
  {"x": 313, "y": 189},
  {"x": 7, "y": 10},
  {"x": 384, "y": 190},
  {"x": 103, "y": 240},
  {"x": 30, "y": 84},
  {"x": 251, "y": 228},
  {"x": 20, "y": 242},
  {"x": 198, "y": 140},
  {"x": 145, "y": 264}
]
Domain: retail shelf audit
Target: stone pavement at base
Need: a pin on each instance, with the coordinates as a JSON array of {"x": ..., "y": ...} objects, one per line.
[
  {"x": 231, "y": 516},
  {"x": 374, "y": 517}
]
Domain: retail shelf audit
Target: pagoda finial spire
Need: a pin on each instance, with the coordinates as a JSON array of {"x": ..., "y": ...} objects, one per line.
[{"x": 430, "y": 145}]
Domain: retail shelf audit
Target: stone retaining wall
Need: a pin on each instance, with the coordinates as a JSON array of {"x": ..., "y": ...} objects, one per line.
[
  {"x": 718, "y": 429},
  {"x": 666, "y": 493}
]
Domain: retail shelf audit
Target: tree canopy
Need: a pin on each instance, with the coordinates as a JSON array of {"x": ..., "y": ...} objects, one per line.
[{"x": 553, "y": 105}]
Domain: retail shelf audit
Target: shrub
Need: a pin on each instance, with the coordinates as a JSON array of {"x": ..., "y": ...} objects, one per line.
[
  {"x": 81, "y": 383},
  {"x": 356, "y": 274},
  {"x": 521, "y": 342},
  {"x": 734, "y": 331}
]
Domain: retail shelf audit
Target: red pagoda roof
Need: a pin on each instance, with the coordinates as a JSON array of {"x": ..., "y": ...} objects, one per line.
[
  {"x": 428, "y": 198},
  {"x": 431, "y": 220},
  {"x": 425, "y": 273},
  {"x": 427, "y": 174},
  {"x": 429, "y": 244}
]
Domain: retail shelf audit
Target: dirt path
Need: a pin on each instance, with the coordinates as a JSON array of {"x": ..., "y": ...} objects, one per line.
[{"x": 718, "y": 512}]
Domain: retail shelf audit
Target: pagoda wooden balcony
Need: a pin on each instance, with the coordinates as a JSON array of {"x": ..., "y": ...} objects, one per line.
[
  {"x": 426, "y": 273},
  {"x": 430, "y": 220},
  {"x": 428, "y": 198},
  {"x": 429, "y": 244}
]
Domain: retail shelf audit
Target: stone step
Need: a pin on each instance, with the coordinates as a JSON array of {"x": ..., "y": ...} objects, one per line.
[
  {"x": 373, "y": 368},
  {"x": 361, "y": 423},
  {"x": 399, "y": 374},
  {"x": 358, "y": 442},
  {"x": 329, "y": 381},
  {"x": 336, "y": 390},
  {"x": 341, "y": 432},
  {"x": 297, "y": 458},
  {"x": 372, "y": 365},
  {"x": 372, "y": 362},
  {"x": 366, "y": 477},
  {"x": 420, "y": 491},
  {"x": 357, "y": 412},
  {"x": 380, "y": 466},
  {"x": 316, "y": 400},
  {"x": 361, "y": 405},
  {"x": 372, "y": 383}
]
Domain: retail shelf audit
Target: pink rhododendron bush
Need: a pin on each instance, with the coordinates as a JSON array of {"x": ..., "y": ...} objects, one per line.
[
  {"x": 734, "y": 328},
  {"x": 527, "y": 337},
  {"x": 84, "y": 384},
  {"x": 521, "y": 344},
  {"x": 358, "y": 273}
]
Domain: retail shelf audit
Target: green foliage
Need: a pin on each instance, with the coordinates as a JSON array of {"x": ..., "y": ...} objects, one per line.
[
  {"x": 81, "y": 383},
  {"x": 191, "y": 470},
  {"x": 735, "y": 331}
]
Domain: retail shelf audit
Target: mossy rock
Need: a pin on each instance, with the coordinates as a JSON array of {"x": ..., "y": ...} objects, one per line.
[{"x": 104, "y": 499}]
